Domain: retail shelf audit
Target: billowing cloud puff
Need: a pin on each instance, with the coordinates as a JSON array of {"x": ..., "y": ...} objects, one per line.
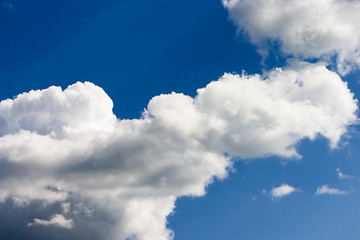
[
  {"x": 308, "y": 29},
  {"x": 65, "y": 157}
]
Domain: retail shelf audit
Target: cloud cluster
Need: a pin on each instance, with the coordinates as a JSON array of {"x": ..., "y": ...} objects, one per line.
[
  {"x": 307, "y": 29},
  {"x": 66, "y": 152}
]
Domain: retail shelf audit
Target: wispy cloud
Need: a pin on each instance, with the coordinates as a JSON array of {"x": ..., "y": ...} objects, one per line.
[
  {"x": 342, "y": 175},
  {"x": 325, "y": 189},
  {"x": 8, "y": 4}
]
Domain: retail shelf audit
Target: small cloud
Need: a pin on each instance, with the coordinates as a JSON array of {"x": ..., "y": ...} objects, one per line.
[
  {"x": 327, "y": 190},
  {"x": 56, "y": 220},
  {"x": 283, "y": 190},
  {"x": 343, "y": 176}
]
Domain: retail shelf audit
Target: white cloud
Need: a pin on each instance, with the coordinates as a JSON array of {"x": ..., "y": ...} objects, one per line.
[
  {"x": 306, "y": 29},
  {"x": 61, "y": 147},
  {"x": 327, "y": 190},
  {"x": 283, "y": 190},
  {"x": 342, "y": 175},
  {"x": 56, "y": 220}
]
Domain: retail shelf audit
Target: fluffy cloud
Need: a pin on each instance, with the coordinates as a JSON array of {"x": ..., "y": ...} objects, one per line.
[
  {"x": 65, "y": 156},
  {"x": 327, "y": 190},
  {"x": 283, "y": 190},
  {"x": 307, "y": 29}
]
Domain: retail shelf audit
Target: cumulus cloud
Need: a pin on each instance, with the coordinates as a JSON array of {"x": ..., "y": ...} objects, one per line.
[
  {"x": 67, "y": 150},
  {"x": 327, "y": 190},
  {"x": 56, "y": 220},
  {"x": 283, "y": 190},
  {"x": 307, "y": 29}
]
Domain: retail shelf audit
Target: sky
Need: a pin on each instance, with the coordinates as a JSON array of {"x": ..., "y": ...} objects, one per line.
[{"x": 161, "y": 120}]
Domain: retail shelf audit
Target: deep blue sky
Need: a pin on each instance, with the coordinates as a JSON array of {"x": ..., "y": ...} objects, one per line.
[{"x": 135, "y": 50}]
